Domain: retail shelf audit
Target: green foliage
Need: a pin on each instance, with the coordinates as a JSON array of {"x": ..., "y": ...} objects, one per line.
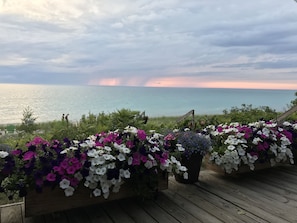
[
  {"x": 247, "y": 114},
  {"x": 28, "y": 120},
  {"x": 292, "y": 117},
  {"x": 125, "y": 117},
  {"x": 294, "y": 102},
  {"x": 91, "y": 124}
]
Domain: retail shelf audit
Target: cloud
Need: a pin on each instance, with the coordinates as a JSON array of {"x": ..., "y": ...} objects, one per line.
[{"x": 159, "y": 43}]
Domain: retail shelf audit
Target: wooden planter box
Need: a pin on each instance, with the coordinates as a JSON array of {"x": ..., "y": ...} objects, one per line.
[
  {"x": 241, "y": 169},
  {"x": 50, "y": 201}
]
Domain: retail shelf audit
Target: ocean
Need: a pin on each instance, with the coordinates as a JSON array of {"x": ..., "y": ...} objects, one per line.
[{"x": 49, "y": 102}]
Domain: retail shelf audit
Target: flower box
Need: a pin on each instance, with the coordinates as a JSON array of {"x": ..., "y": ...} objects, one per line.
[
  {"x": 241, "y": 169},
  {"x": 106, "y": 166},
  {"x": 50, "y": 201},
  {"x": 242, "y": 148}
]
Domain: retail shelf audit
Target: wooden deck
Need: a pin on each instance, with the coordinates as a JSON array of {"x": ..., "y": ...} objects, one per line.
[{"x": 263, "y": 196}]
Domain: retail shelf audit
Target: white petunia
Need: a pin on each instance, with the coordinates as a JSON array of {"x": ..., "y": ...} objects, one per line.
[
  {"x": 107, "y": 148},
  {"x": 64, "y": 183},
  {"x": 97, "y": 192},
  {"x": 101, "y": 171},
  {"x": 106, "y": 195},
  {"x": 131, "y": 129},
  {"x": 111, "y": 166},
  {"x": 3, "y": 154},
  {"x": 116, "y": 188},
  {"x": 231, "y": 147},
  {"x": 130, "y": 160},
  {"x": 121, "y": 157},
  {"x": 148, "y": 164},
  {"x": 180, "y": 147},
  {"x": 69, "y": 191},
  {"x": 183, "y": 168},
  {"x": 126, "y": 173},
  {"x": 98, "y": 161},
  {"x": 78, "y": 176},
  {"x": 92, "y": 153},
  {"x": 105, "y": 188}
]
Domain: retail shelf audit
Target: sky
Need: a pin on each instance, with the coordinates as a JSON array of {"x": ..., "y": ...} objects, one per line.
[{"x": 154, "y": 43}]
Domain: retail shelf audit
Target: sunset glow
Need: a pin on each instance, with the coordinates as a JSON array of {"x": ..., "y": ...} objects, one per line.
[
  {"x": 190, "y": 82},
  {"x": 195, "y": 82}
]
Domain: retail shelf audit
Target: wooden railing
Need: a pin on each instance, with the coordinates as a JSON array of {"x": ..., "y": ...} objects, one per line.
[
  {"x": 190, "y": 113},
  {"x": 282, "y": 117}
]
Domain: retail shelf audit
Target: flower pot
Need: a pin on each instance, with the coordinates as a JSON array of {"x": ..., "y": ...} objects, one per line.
[
  {"x": 193, "y": 165},
  {"x": 50, "y": 201},
  {"x": 241, "y": 169}
]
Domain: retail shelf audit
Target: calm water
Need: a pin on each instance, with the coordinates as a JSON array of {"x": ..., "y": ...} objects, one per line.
[{"x": 49, "y": 102}]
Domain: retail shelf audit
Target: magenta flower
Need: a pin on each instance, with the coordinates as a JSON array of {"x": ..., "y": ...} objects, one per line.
[
  {"x": 16, "y": 152},
  {"x": 64, "y": 164},
  {"x": 143, "y": 159},
  {"x": 77, "y": 166},
  {"x": 130, "y": 144},
  {"x": 73, "y": 160},
  {"x": 70, "y": 170},
  {"x": 59, "y": 170},
  {"x": 29, "y": 155},
  {"x": 141, "y": 134},
  {"x": 74, "y": 182},
  {"x": 51, "y": 177},
  {"x": 136, "y": 159}
]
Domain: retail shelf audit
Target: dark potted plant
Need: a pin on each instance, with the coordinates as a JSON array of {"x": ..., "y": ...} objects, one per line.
[{"x": 190, "y": 148}]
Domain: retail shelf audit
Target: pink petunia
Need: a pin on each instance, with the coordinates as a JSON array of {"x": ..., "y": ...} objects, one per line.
[
  {"x": 70, "y": 170},
  {"x": 141, "y": 134},
  {"x": 73, "y": 160},
  {"x": 143, "y": 159},
  {"x": 136, "y": 159},
  {"x": 130, "y": 144},
  {"x": 74, "y": 182},
  {"x": 29, "y": 155},
  {"x": 59, "y": 170},
  {"x": 64, "y": 164},
  {"x": 51, "y": 177},
  {"x": 16, "y": 152},
  {"x": 220, "y": 129},
  {"x": 77, "y": 166}
]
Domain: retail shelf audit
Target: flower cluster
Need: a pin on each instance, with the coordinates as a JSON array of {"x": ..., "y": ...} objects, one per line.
[
  {"x": 102, "y": 163},
  {"x": 236, "y": 144},
  {"x": 186, "y": 143},
  {"x": 292, "y": 128}
]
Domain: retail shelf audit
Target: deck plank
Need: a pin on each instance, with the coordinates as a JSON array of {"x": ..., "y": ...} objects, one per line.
[
  {"x": 116, "y": 213},
  {"x": 224, "y": 210},
  {"x": 135, "y": 211},
  {"x": 262, "y": 196},
  {"x": 175, "y": 210},
  {"x": 222, "y": 187},
  {"x": 159, "y": 214}
]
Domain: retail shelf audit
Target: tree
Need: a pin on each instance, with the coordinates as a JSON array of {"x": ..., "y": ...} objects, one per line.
[{"x": 28, "y": 120}]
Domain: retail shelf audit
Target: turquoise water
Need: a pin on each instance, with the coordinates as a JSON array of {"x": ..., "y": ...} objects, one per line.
[{"x": 49, "y": 102}]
